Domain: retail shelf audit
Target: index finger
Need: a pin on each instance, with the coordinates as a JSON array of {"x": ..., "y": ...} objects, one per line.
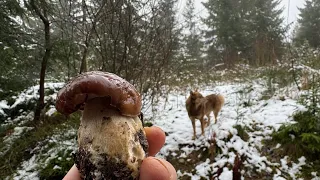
[{"x": 155, "y": 138}]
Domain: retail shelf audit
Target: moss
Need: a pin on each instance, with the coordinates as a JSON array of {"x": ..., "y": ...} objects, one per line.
[{"x": 148, "y": 124}]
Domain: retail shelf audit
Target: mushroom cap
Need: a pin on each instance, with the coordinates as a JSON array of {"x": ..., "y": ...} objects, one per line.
[{"x": 89, "y": 85}]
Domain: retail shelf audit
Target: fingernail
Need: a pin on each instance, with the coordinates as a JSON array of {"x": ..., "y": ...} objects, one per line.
[
  {"x": 171, "y": 170},
  {"x": 153, "y": 169}
]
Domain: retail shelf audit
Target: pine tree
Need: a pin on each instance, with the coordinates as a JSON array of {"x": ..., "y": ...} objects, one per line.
[
  {"x": 191, "y": 38},
  {"x": 13, "y": 48},
  {"x": 225, "y": 34},
  {"x": 309, "y": 24},
  {"x": 241, "y": 29},
  {"x": 265, "y": 23}
]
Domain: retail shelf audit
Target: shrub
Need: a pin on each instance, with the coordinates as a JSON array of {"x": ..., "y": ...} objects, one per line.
[{"x": 301, "y": 138}]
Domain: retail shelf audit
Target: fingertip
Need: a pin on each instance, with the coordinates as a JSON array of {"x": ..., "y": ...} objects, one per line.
[
  {"x": 157, "y": 169},
  {"x": 171, "y": 169},
  {"x": 73, "y": 174},
  {"x": 156, "y": 138}
]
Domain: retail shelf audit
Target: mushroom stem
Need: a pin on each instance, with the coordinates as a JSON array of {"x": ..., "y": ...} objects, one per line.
[{"x": 107, "y": 137}]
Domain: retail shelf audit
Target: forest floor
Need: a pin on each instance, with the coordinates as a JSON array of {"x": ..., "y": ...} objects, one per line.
[{"x": 248, "y": 118}]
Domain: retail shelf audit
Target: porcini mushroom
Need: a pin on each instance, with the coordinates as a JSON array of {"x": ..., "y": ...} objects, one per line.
[{"x": 111, "y": 138}]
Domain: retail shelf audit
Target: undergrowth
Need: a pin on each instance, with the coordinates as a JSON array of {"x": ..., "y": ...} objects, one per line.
[
  {"x": 23, "y": 147},
  {"x": 301, "y": 138}
]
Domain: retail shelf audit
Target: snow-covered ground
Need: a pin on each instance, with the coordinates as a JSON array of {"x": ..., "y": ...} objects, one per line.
[
  {"x": 60, "y": 142},
  {"x": 244, "y": 106},
  {"x": 261, "y": 116}
]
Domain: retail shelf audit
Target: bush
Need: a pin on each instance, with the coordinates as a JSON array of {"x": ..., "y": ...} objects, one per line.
[{"x": 301, "y": 138}]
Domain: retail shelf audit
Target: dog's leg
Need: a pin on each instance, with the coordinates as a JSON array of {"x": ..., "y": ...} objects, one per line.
[
  {"x": 193, "y": 120},
  {"x": 208, "y": 123},
  {"x": 216, "y": 112},
  {"x": 202, "y": 125}
]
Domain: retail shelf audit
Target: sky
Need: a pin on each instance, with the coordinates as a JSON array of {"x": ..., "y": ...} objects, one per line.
[
  {"x": 293, "y": 9},
  {"x": 291, "y": 5}
]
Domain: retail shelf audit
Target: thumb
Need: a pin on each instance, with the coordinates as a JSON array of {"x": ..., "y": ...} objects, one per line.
[{"x": 157, "y": 169}]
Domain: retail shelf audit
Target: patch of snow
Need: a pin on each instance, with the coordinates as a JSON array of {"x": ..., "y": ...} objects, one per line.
[
  {"x": 27, "y": 170},
  {"x": 56, "y": 167},
  {"x": 3, "y": 105},
  {"x": 51, "y": 111},
  {"x": 226, "y": 174},
  {"x": 32, "y": 93},
  {"x": 20, "y": 120},
  {"x": 315, "y": 177}
]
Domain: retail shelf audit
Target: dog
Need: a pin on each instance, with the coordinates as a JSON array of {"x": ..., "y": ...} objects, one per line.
[{"x": 199, "y": 106}]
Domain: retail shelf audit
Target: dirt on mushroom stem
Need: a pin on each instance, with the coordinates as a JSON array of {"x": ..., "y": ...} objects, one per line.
[{"x": 106, "y": 135}]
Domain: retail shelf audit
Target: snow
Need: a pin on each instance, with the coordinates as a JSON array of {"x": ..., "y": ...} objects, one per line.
[
  {"x": 16, "y": 133},
  {"x": 32, "y": 93},
  {"x": 263, "y": 116},
  {"x": 62, "y": 141},
  {"x": 3, "y": 105},
  {"x": 244, "y": 106},
  {"x": 26, "y": 172},
  {"x": 315, "y": 177},
  {"x": 51, "y": 111},
  {"x": 226, "y": 174}
]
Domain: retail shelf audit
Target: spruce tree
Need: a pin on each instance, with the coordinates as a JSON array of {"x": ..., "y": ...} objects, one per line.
[
  {"x": 249, "y": 30},
  {"x": 192, "y": 37},
  {"x": 309, "y": 24},
  {"x": 266, "y": 31},
  {"x": 13, "y": 48}
]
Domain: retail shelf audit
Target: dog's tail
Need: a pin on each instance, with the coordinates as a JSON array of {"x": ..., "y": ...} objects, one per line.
[{"x": 221, "y": 99}]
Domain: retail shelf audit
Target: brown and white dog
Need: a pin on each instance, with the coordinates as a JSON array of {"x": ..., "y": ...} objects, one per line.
[{"x": 199, "y": 106}]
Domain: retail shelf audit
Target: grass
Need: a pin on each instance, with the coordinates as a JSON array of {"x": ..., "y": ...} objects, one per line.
[
  {"x": 57, "y": 167},
  {"x": 21, "y": 149}
]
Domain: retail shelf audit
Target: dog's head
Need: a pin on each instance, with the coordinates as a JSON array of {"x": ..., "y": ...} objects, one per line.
[{"x": 195, "y": 95}]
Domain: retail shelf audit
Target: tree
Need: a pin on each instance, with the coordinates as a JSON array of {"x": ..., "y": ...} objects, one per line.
[
  {"x": 41, "y": 10},
  {"x": 241, "y": 29},
  {"x": 14, "y": 49},
  {"x": 225, "y": 32},
  {"x": 266, "y": 29},
  {"x": 191, "y": 38},
  {"x": 309, "y": 24}
]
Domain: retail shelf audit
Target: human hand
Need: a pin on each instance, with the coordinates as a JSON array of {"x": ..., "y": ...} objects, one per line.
[{"x": 152, "y": 168}]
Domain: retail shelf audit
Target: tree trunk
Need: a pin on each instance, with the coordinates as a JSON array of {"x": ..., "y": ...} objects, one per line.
[
  {"x": 46, "y": 23},
  {"x": 84, "y": 66},
  {"x": 89, "y": 35}
]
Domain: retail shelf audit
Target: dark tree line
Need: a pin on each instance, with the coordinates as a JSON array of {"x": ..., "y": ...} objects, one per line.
[
  {"x": 142, "y": 41},
  {"x": 250, "y": 30}
]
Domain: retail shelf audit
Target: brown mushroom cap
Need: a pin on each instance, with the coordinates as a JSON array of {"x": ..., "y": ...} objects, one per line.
[{"x": 94, "y": 84}]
